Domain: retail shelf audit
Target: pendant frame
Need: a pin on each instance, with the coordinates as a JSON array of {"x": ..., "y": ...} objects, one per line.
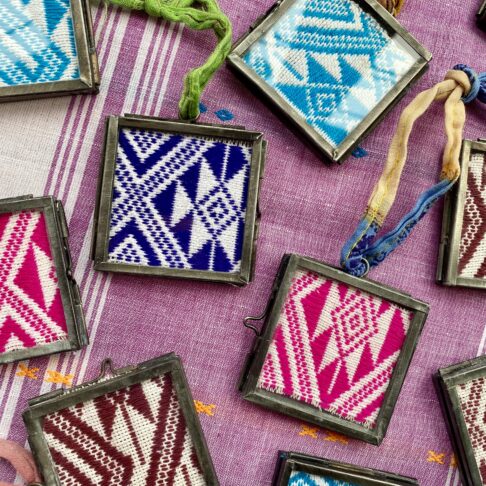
[
  {"x": 89, "y": 74},
  {"x": 101, "y": 226},
  {"x": 292, "y": 461},
  {"x": 308, "y": 413},
  {"x": 481, "y": 16},
  {"x": 58, "y": 234},
  {"x": 339, "y": 153},
  {"x": 446, "y": 382},
  {"x": 121, "y": 378},
  {"x": 452, "y": 222}
]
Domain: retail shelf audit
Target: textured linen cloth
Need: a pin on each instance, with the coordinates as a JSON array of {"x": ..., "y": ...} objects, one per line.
[{"x": 54, "y": 147}]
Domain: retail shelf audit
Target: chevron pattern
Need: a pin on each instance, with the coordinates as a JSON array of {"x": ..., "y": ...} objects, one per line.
[
  {"x": 335, "y": 348},
  {"x": 31, "y": 311},
  {"x": 299, "y": 478},
  {"x": 331, "y": 61},
  {"x": 179, "y": 201},
  {"x": 36, "y": 42},
  {"x": 135, "y": 436},
  {"x": 472, "y": 254},
  {"x": 472, "y": 397}
]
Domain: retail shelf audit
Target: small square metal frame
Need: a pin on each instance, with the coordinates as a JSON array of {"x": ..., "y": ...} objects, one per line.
[
  {"x": 101, "y": 227},
  {"x": 293, "y": 461},
  {"x": 452, "y": 222},
  {"x": 344, "y": 149},
  {"x": 58, "y": 233},
  {"x": 255, "y": 360},
  {"x": 481, "y": 16},
  {"x": 60, "y": 399},
  {"x": 447, "y": 380},
  {"x": 89, "y": 75}
]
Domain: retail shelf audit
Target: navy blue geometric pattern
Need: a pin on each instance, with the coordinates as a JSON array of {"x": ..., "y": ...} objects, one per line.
[
  {"x": 179, "y": 201},
  {"x": 37, "y": 42},
  {"x": 298, "y": 478},
  {"x": 331, "y": 61}
]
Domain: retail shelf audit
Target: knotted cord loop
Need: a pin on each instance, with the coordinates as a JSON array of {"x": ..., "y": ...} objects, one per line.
[
  {"x": 461, "y": 85},
  {"x": 208, "y": 16},
  {"x": 21, "y": 459},
  {"x": 393, "y": 6}
]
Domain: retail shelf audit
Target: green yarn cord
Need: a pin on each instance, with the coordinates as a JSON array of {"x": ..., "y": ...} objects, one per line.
[{"x": 209, "y": 16}]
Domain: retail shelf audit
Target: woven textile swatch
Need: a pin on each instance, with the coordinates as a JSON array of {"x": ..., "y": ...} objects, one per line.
[
  {"x": 335, "y": 347},
  {"x": 31, "y": 311},
  {"x": 298, "y": 478},
  {"x": 179, "y": 201},
  {"x": 472, "y": 254},
  {"x": 36, "y": 42},
  {"x": 136, "y": 436},
  {"x": 472, "y": 397},
  {"x": 332, "y": 62}
]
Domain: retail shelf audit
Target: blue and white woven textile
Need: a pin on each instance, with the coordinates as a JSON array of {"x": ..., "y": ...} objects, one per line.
[
  {"x": 37, "y": 42},
  {"x": 179, "y": 201},
  {"x": 331, "y": 62},
  {"x": 299, "y": 478}
]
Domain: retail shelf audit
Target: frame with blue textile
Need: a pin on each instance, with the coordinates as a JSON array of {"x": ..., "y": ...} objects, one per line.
[
  {"x": 242, "y": 272},
  {"x": 446, "y": 381},
  {"x": 87, "y": 60},
  {"x": 255, "y": 360},
  {"x": 290, "y": 464},
  {"x": 453, "y": 220},
  {"x": 341, "y": 150}
]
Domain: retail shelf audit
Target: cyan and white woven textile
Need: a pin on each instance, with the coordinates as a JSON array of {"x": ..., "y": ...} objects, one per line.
[
  {"x": 299, "y": 478},
  {"x": 332, "y": 62},
  {"x": 179, "y": 201},
  {"x": 37, "y": 42}
]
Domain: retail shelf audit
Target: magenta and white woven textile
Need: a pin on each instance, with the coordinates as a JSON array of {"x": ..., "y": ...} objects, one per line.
[{"x": 54, "y": 147}]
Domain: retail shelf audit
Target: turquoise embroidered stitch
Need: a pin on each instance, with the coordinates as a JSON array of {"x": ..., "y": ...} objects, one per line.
[
  {"x": 332, "y": 62},
  {"x": 37, "y": 42}
]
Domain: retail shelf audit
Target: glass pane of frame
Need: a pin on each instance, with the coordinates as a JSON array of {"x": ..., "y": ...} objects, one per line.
[
  {"x": 462, "y": 258},
  {"x": 136, "y": 427},
  {"x": 294, "y": 469},
  {"x": 335, "y": 349},
  {"x": 462, "y": 390},
  {"x": 40, "y": 309},
  {"x": 179, "y": 200},
  {"x": 46, "y": 48},
  {"x": 334, "y": 66}
]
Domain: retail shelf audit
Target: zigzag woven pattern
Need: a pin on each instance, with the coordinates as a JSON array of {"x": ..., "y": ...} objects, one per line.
[
  {"x": 331, "y": 61},
  {"x": 136, "y": 436},
  {"x": 472, "y": 254},
  {"x": 179, "y": 201},
  {"x": 299, "y": 478},
  {"x": 472, "y": 396},
  {"x": 31, "y": 311},
  {"x": 335, "y": 348},
  {"x": 36, "y": 42}
]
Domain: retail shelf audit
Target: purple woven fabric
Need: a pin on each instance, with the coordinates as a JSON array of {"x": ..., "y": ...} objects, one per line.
[{"x": 54, "y": 147}]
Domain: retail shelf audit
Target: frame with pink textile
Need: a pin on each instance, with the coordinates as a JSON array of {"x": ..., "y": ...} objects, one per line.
[
  {"x": 306, "y": 412},
  {"x": 288, "y": 462},
  {"x": 58, "y": 234}
]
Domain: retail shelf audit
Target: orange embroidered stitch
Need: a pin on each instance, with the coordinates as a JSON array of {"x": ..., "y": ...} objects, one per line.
[
  {"x": 335, "y": 437},
  {"x": 59, "y": 378},
  {"x": 453, "y": 462},
  {"x": 203, "y": 408},
  {"x": 27, "y": 372},
  {"x": 437, "y": 457},
  {"x": 309, "y": 431}
]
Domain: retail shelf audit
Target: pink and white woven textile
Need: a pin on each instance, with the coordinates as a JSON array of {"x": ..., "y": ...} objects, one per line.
[
  {"x": 54, "y": 146},
  {"x": 335, "y": 347}
]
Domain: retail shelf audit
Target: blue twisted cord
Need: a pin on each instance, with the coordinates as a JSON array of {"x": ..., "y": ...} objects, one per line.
[{"x": 478, "y": 84}]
